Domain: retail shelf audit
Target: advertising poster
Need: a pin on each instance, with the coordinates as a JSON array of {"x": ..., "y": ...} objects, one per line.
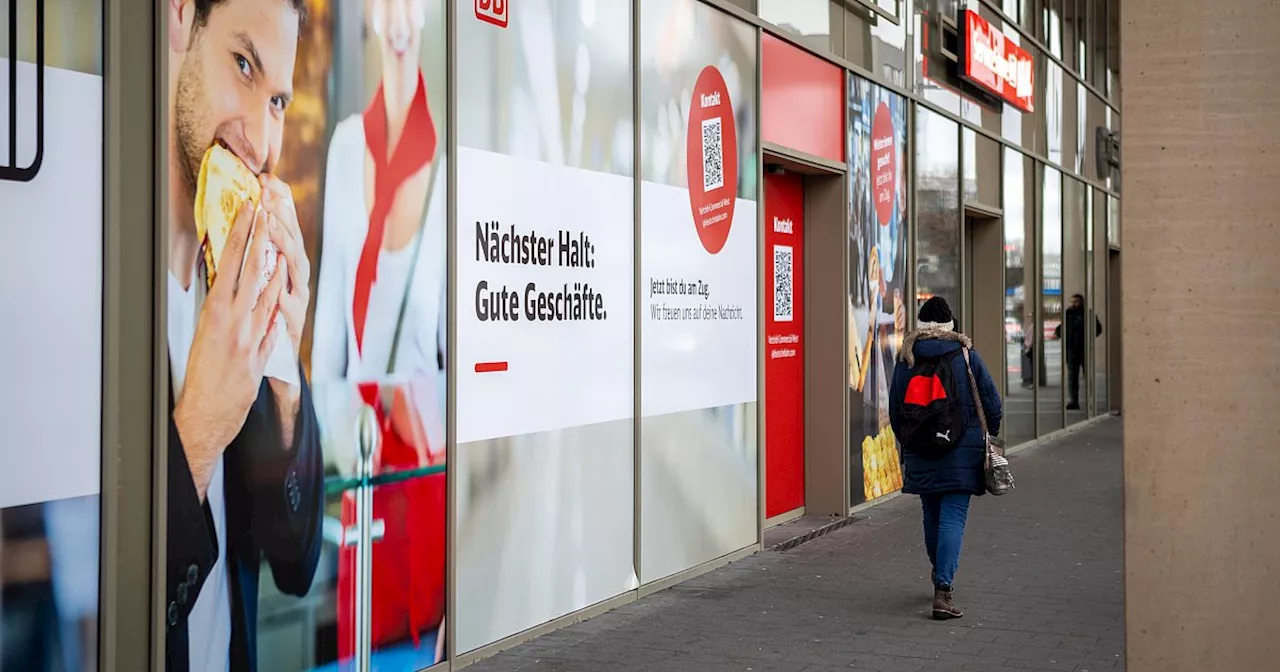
[
  {"x": 877, "y": 151},
  {"x": 307, "y": 301},
  {"x": 699, "y": 279},
  {"x": 545, "y": 312},
  {"x": 51, "y": 292}
]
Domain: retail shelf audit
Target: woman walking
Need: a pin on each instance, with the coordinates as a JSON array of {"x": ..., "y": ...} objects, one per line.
[{"x": 934, "y": 413}]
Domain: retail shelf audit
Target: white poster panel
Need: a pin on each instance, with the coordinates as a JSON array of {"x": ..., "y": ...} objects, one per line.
[
  {"x": 545, "y": 265},
  {"x": 51, "y": 275},
  {"x": 698, "y": 310}
]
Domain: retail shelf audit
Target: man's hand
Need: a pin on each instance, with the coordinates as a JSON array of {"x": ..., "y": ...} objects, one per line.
[
  {"x": 232, "y": 342},
  {"x": 277, "y": 200},
  {"x": 287, "y": 235}
]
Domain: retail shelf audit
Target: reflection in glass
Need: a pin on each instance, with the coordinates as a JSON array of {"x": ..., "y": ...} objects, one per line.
[
  {"x": 931, "y": 68},
  {"x": 1113, "y": 53},
  {"x": 1082, "y": 127},
  {"x": 1073, "y": 331},
  {"x": 1011, "y": 121},
  {"x": 1101, "y": 302},
  {"x": 1082, "y": 41},
  {"x": 938, "y": 205},
  {"x": 1053, "y": 111},
  {"x": 49, "y": 584},
  {"x": 1054, "y": 9},
  {"x": 1019, "y": 314},
  {"x": 876, "y": 43},
  {"x": 1113, "y": 221},
  {"x": 1049, "y": 403},
  {"x": 809, "y": 21},
  {"x": 970, "y": 164},
  {"x": 1097, "y": 73}
]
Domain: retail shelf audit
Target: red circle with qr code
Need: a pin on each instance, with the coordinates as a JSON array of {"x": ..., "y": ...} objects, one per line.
[{"x": 712, "y": 156}]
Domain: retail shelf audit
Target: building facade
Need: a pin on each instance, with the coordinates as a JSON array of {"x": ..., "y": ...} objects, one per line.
[{"x": 517, "y": 365}]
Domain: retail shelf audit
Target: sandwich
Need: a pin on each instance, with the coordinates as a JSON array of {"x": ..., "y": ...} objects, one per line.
[{"x": 222, "y": 187}]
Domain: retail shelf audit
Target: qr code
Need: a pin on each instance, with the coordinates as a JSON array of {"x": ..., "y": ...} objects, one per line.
[
  {"x": 712, "y": 155},
  {"x": 782, "y": 288}
]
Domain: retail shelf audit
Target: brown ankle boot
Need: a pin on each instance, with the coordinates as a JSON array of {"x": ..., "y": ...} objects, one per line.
[{"x": 943, "y": 608}]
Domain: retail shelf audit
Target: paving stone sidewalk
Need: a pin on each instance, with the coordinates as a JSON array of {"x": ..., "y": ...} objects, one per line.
[{"x": 1040, "y": 576}]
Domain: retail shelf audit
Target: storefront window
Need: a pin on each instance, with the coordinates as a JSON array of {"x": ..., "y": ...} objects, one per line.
[
  {"x": 1113, "y": 221},
  {"x": 1053, "y": 111},
  {"x": 1082, "y": 40},
  {"x": 938, "y": 207},
  {"x": 1069, "y": 33},
  {"x": 879, "y": 307},
  {"x": 982, "y": 112},
  {"x": 1054, "y": 37},
  {"x": 696, "y": 505},
  {"x": 932, "y": 81},
  {"x": 1019, "y": 313},
  {"x": 1069, "y": 125},
  {"x": 1113, "y": 50},
  {"x": 877, "y": 43},
  {"x": 1100, "y": 21},
  {"x": 1015, "y": 125},
  {"x": 1050, "y": 398},
  {"x": 51, "y": 361},
  {"x": 981, "y": 169},
  {"x": 1073, "y": 332},
  {"x": 809, "y": 21},
  {"x": 1083, "y": 142}
]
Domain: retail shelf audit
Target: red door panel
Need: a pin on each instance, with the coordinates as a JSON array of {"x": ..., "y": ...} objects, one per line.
[{"x": 784, "y": 333}]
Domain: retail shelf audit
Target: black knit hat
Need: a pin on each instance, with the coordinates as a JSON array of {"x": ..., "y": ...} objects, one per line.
[{"x": 935, "y": 310}]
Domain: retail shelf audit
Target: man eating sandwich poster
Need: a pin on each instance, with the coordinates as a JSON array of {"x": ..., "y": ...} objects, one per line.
[{"x": 245, "y": 469}]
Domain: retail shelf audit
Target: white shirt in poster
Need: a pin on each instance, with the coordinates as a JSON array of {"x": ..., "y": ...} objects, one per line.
[{"x": 209, "y": 624}]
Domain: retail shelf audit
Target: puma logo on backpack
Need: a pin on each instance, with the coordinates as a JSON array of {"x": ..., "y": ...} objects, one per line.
[{"x": 932, "y": 414}]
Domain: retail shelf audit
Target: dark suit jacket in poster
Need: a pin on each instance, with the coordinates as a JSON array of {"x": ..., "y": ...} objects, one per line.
[{"x": 275, "y": 504}]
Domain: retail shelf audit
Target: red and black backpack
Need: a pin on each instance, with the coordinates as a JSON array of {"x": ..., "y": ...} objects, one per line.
[{"x": 932, "y": 415}]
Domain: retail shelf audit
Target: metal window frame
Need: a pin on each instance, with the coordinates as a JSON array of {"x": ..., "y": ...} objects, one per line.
[{"x": 131, "y": 631}]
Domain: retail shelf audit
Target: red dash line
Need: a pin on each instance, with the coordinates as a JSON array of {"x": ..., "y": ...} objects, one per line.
[{"x": 491, "y": 367}]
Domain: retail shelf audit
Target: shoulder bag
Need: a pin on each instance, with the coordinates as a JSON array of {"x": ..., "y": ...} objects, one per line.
[{"x": 995, "y": 467}]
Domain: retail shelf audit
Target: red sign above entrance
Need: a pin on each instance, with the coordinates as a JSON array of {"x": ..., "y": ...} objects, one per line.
[{"x": 996, "y": 64}]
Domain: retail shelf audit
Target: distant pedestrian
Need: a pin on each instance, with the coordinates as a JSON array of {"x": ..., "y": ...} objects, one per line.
[
  {"x": 934, "y": 414},
  {"x": 1075, "y": 346}
]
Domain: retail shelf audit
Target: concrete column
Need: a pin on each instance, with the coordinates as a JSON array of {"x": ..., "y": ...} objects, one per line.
[{"x": 1201, "y": 201}]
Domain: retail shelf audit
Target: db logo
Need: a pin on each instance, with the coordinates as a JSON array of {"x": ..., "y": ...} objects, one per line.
[{"x": 493, "y": 11}]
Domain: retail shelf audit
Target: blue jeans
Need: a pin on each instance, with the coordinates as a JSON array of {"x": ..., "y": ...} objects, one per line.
[{"x": 944, "y": 518}]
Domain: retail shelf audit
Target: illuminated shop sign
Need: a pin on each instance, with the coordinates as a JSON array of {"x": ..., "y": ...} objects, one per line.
[{"x": 996, "y": 64}]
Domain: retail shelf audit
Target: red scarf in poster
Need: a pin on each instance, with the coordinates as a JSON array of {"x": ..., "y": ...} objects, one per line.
[
  {"x": 416, "y": 148},
  {"x": 409, "y": 561}
]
